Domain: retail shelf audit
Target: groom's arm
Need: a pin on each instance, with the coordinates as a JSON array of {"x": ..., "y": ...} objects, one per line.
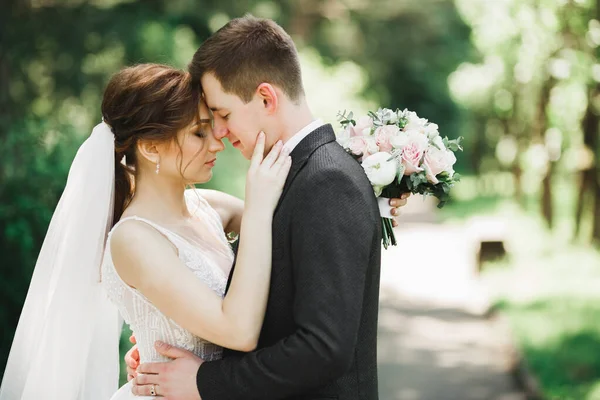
[{"x": 334, "y": 229}]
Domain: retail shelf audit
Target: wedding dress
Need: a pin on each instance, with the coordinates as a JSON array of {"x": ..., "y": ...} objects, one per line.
[
  {"x": 66, "y": 345},
  {"x": 210, "y": 261}
]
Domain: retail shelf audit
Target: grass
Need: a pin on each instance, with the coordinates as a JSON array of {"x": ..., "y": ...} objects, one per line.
[
  {"x": 549, "y": 289},
  {"x": 552, "y": 300}
]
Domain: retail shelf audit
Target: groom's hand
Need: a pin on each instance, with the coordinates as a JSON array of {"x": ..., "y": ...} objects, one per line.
[
  {"x": 175, "y": 380},
  {"x": 396, "y": 204}
]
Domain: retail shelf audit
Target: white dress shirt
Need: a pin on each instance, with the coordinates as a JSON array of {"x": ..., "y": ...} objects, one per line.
[{"x": 304, "y": 132}]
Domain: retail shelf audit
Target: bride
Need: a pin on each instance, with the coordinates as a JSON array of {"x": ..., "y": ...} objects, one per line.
[{"x": 127, "y": 230}]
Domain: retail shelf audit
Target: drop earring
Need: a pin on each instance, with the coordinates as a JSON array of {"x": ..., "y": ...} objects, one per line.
[{"x": 157, "y": 167}]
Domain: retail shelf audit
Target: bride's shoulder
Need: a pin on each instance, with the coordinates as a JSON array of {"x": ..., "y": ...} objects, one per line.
[
  {"x": 134, "y": 245},
  {"x": 132, "y": 236}
]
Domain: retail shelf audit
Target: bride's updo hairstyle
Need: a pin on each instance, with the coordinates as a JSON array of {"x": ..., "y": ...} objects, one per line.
[{"x": 145, "y": 102}]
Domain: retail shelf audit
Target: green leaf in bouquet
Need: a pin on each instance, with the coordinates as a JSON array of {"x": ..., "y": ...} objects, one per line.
[
  {"x": 402, "y": 122},
  {"x": 419, "y": 178},
  {"x": 375, "y": 118},
  {"x": 346, "y": 120},
  {"x": 444, "y": 177},
  {"x": 454, "y": 144},
  {"x": 456, "y": 177},
  {"x": 378, "y": 190},
  {"x": 400, "y": 174}
]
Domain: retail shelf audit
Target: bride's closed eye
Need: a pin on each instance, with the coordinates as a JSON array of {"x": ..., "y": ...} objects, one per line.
[
  {"x": 202, "y": 128},
  {"x": 201, "y": 133}
]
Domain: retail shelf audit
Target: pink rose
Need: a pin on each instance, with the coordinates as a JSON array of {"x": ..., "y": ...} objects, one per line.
[
  {"x": 413, "y": 145},
  {"x": 437, "y": 161},
  {"x": 363, "y": 126},
  {"x": 357, "y": 145},
  {"x": 383, "y": 136},
  {"x": 411, "y": 158},
  {"x": 362, "y": 146}
]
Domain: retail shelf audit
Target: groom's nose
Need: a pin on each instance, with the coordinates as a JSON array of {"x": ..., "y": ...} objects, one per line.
[
  {"x": 221, "y": 133},
  {"x": 220, "y": 129}
]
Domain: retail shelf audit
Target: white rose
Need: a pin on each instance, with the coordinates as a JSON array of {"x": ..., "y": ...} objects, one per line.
[
  {"x": 409, "y": 137},
  {"x": 388, "y": 116},
  {"x": 379, "y": 170},
  {"x": 414, "y": 123},
  {"x": 438, "y": 142},
  {"x": 343, "y": 137},
  {"x": 432, "y": 131}
]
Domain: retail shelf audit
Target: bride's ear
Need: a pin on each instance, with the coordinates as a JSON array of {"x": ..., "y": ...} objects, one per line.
[
  {"x": 268, "y": 96},
  {"x": 149, "y": 150}
]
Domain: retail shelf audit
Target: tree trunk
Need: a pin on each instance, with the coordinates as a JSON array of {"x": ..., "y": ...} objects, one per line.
[
  {"x": 596, "y": 216},
  {"x": 547, "y": 209},
  {"x": 585, "y": 186},
  {"x": 540, "y": 130},
  {"x": 589, "y": 177},
  {"x": 591, "y": 136},
  {"x": 478, "y": 146}
]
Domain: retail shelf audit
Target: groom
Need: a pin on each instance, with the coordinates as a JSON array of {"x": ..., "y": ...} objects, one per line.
[{"x": 318, "y": 339}]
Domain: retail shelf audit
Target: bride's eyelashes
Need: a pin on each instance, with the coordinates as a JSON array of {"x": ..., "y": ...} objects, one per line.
[{"x": 201, "y": 134}]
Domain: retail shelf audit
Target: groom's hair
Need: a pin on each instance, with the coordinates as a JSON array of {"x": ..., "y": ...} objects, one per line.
[{"x": 246, "y": 52}]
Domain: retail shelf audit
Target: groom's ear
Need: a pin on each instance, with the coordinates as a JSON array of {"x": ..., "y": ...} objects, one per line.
[
  {"x": 149, "y": 150},
  {"x": 268, "y": 96}
]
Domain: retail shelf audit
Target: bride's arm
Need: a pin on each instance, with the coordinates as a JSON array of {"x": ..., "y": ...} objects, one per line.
[
  {"x": 147, "y": 261},
  {"x": 229, "y": 208}
]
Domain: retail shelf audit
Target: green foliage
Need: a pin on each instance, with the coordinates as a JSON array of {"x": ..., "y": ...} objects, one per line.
[{"x": 346, "y": 120}]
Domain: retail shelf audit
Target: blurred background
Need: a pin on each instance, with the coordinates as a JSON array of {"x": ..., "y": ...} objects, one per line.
[{"x": 519, "y": 79}]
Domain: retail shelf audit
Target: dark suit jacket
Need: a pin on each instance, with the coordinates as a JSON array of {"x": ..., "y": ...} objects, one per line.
[{"x": 318, "y": 340}]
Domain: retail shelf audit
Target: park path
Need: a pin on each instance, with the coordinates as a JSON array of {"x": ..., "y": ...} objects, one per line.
[{"x": 435, "y": 341}]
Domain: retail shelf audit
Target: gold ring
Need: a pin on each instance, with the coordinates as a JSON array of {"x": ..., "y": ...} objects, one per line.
[{"x": 152, "y": 390}]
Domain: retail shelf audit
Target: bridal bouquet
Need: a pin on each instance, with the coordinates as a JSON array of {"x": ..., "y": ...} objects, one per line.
[{"x": 400, "y": 152}]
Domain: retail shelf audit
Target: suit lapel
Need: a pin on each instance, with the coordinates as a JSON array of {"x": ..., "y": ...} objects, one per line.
[{"x": 300, "y": 155}]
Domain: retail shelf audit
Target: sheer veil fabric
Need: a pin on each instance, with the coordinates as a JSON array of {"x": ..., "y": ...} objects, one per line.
[{"x": 66, "y": 345}]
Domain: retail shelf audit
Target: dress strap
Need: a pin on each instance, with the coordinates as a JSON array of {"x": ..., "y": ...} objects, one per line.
[
  {"x": 171, "y": 236},
  {"x": 197, "y": 203}
]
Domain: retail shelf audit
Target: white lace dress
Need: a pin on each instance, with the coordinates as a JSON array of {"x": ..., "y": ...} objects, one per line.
[{"x": 210, "y": 262}]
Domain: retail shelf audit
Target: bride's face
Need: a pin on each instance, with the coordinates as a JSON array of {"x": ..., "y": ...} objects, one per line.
[{"x": 193, "y": 154}]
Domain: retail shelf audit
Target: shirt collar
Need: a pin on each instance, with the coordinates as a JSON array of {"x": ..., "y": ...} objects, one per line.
[{"x": 304, "y": 132}]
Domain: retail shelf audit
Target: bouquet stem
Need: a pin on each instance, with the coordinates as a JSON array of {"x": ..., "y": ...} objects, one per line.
[{"x": 387, "y": 233}]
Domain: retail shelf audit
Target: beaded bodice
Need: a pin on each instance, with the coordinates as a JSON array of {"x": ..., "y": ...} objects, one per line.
[{"x": 210, "y": 262}]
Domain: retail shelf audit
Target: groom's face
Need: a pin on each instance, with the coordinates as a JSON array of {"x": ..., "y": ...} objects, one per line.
[{"x": 235, "y": 120}]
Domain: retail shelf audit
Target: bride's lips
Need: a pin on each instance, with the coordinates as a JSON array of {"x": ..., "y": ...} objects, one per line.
[
  {"x": 236, "y": 144},
  {"x": 212, "y": 162}
]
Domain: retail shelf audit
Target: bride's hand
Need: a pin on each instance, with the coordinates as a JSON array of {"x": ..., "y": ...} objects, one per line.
[{"x": 267, "y": 176}]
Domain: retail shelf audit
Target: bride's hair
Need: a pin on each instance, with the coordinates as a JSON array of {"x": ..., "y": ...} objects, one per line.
[{"x": 149, "y": 102}]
